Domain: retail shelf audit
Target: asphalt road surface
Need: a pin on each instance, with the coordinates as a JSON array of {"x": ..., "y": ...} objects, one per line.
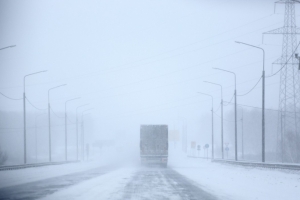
[
  {"x": 38, "y": 189},
  {"x": 145, "y": 183},
  {"x": 163, "y": 183}
]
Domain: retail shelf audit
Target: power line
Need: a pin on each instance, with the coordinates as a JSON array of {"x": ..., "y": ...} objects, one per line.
[
  {"x": 223, "y": 117},
  {"x": 218, "y": 108},
  {"x": 265, "y": 108},
  {"x": 167, "y": 85},
  {"x": 35, "y": 106},
  {"x": 293, "y": 54},
  {"x": 176, "y": 55},
  {"x": 201, "y": 48},
  {"x": 55, "y": 113},
  {"x": 70, "y": 121},
  {"x": 205, "y": 38},
  {"x": 229, "y": 101},
  {"x": 251, "y": 88},
  {"x": 9, "y": 97}
]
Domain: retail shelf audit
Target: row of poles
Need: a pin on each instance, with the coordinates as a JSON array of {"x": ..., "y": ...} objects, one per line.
[
  {"x": 235, "y": 109},
  {"x": 49, "y": 121}
]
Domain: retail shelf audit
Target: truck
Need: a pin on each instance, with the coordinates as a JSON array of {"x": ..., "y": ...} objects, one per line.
[{"x": 154, "y": 145}]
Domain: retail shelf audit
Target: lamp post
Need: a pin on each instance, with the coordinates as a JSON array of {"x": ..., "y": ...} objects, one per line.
[
  {"x": 24, "y": 110},
  {"x": 263, "y": 98},
  {"x": 77, "y": 152},
  {"x": 50, "y": 159},
  {"x": 221, "y": 115},
  {"x": 82, "y": 129},
  {"x": 242, "y": 119},
  {"x": 36, "y": 136},
  {"x": 185, "y": 135},
  {"x": 66, "y": 126},
  {"x": 235, "y": 112},
  {"x": 8, "y": 47},
  {"x": 212, "y": 123}
]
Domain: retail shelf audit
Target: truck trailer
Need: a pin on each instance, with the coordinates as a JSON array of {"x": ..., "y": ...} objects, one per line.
[{"x": 154, "y": 145}]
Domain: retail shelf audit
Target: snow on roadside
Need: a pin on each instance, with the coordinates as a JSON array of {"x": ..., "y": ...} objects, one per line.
[
  {"x": 106, "y": 186},
  {"x": 27, "y": 175},
  {"x": 237, "y": 182}
]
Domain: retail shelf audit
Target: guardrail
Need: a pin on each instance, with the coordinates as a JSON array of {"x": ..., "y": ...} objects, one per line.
[
  {"x": 14, "y": 167},
  {"x": 259, "y": 164}
]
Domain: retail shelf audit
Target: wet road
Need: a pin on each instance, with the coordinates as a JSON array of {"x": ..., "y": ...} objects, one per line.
[
  {"x": 142, "y": 184},
  {"x": 163, "y": 183}
]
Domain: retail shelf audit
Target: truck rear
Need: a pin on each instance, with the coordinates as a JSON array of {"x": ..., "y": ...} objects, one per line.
[{"x": 154, "y": 144}]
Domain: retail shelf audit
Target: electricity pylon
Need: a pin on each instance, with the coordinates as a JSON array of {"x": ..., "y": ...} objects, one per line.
[{"x": 289, "y": 96}]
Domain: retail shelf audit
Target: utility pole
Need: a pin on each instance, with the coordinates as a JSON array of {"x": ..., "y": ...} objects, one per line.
[
  {"x": 77, "y": 135},
  {"x": 212, "y": 124},
  {"x": 289, "y": 94},
  {"x": 66, "y": 126},
  {"x": 235, "y": 112},
  {"x": 263, "y": 99},
  {"x": 36, "y": 135},
  {"x": 24, "y": 110},
  {"x": 221, "y": 116},
  {"x": 242, "y": 119},
  {"x": 82, "y": 129},
  {"x": 49, "y": 119},
  {"x": 235, "y": 118},
  {"x": 82, "y": 141},
  {"x": 212, "y": 130}
]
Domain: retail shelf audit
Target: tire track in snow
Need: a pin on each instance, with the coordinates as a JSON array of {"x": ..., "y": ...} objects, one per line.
[{"x": 162, "y": 184}]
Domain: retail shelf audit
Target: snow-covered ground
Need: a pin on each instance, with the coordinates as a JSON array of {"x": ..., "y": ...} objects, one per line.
[
  {"x": 223, "y": 181},
  {"x": 107, "y": 186},
  {"x": 240, "y": 183},
  {"x": 27, "y": 175}
]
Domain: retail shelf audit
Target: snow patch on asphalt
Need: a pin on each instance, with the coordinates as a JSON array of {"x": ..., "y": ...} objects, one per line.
[{"x": 107, "y": 186}]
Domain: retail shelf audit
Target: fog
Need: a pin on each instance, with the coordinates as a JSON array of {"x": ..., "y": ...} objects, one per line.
[{"x": 136, "y": 62}]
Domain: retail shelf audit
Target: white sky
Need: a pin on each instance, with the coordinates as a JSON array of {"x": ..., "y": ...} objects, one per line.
[{"x": 138, "y": 62}]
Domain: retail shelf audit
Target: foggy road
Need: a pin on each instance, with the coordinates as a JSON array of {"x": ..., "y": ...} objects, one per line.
[
  {"x": 92, "y": 92},
  {"x": 143, "y": 183},
  {"x": 163, "y": 183}
]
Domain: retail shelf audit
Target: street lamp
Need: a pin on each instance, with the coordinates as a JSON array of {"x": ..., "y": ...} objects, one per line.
[
  {"x": 24, "y": 110},
  {"x": 77, "y": 128},
  {"x": 49, "y": 119},
  {"x": 8, "y": 47},
  {"x": 235, "y": 114},
  {"x": 221, "y": 115},
  {"x": 242, "y": 119},
  {"x": 263, "y": 99},
  {"x": 66, "y": 126},
  {"x": 36, "y": 136},
  {"x": 212, "y": 123},
  {"x": 82, "y": 129}
]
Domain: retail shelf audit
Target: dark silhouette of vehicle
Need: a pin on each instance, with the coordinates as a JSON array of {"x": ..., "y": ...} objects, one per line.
[{"x": 154, "y": 145}]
